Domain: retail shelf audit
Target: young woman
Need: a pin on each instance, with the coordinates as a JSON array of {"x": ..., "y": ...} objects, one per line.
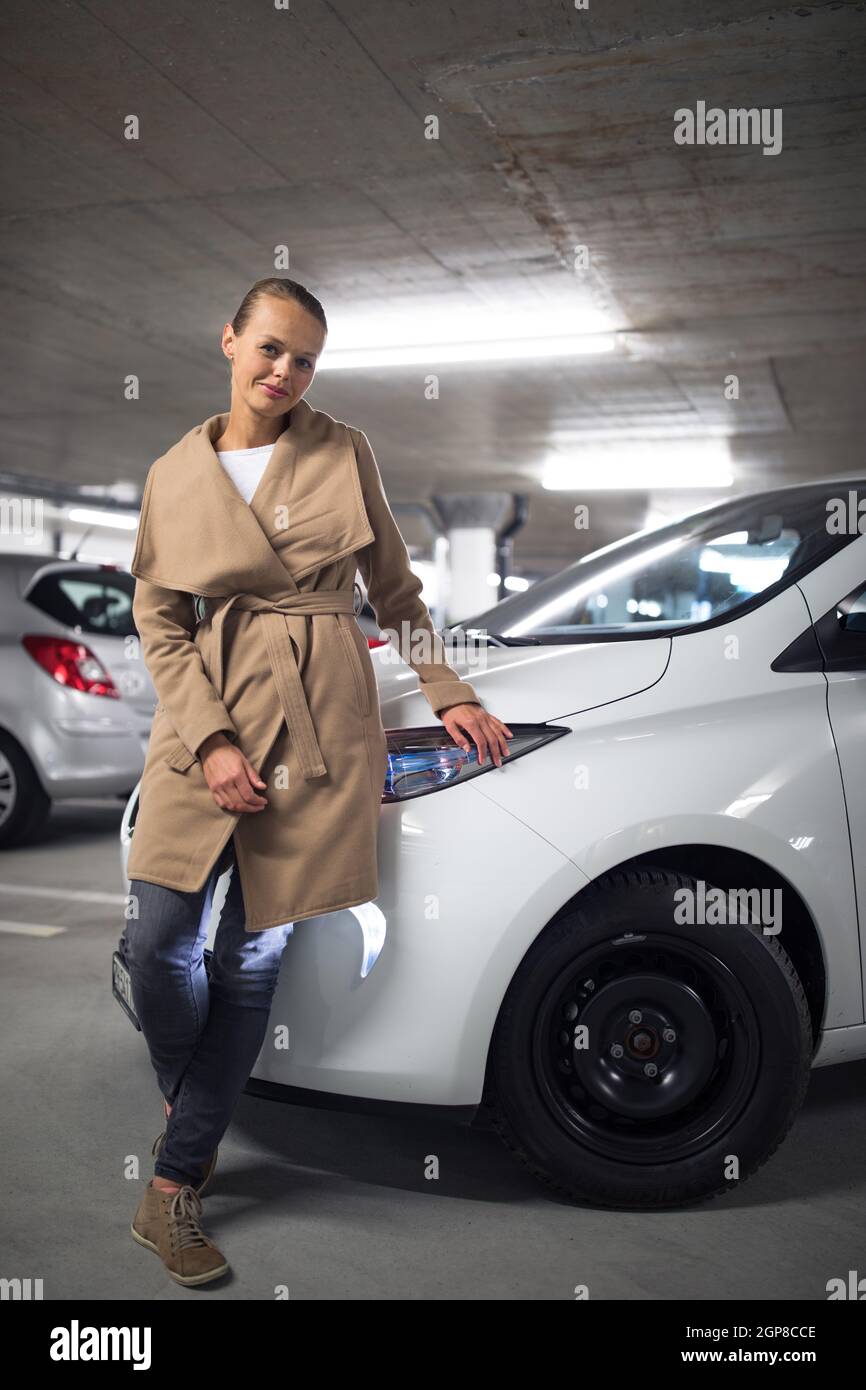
[{"x": 267, "y": 750}]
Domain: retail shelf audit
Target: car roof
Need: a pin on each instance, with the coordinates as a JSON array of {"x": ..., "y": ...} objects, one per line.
[{"x": 21, "y": 569}]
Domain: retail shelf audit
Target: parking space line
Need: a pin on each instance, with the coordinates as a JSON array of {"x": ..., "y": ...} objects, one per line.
[
  {"x": 73, "y": 895},
  {"x": 30, "y": 929}
]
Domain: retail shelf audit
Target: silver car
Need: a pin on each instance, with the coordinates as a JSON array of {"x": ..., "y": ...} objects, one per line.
[{"x": 76, "y": 700}]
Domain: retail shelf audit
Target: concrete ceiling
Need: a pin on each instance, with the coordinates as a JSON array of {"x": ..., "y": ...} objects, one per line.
[{"x": 262, "y": 127}]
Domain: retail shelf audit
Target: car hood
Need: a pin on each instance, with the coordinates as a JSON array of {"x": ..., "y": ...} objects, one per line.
[{"x": 529, "y": 684}]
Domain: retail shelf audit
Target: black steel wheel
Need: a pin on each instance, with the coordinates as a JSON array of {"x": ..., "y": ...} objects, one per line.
[{"x": 637, "y": 1062}]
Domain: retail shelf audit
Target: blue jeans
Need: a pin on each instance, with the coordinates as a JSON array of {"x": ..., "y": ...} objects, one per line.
[{"x": 203, "y": 1037}]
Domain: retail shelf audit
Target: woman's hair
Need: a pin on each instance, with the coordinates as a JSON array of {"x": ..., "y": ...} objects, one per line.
[{"x": 287, "y": 289}]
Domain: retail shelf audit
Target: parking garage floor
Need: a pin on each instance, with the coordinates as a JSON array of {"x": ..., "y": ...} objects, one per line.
[{"x": 333, "y": 1205}]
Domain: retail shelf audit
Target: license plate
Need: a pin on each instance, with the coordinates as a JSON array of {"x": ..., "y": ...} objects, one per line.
[{"x": 121, "y": 988}]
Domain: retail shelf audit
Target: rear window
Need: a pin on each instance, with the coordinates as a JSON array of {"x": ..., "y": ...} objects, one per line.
[{"x": 93, "y": 600}]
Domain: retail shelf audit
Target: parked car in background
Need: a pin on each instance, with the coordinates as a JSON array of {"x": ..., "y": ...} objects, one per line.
[
  {"x": 76, "y": 700},
  {"x": 628, "y": 947}
]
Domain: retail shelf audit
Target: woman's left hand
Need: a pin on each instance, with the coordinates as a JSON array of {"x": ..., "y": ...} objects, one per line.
[{"x": 487, "y": 731}]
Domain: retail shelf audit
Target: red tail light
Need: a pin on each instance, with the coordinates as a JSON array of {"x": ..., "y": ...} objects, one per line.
[
  {"x": 377, "y": 641},
  {"x": 70, "y": 663}
]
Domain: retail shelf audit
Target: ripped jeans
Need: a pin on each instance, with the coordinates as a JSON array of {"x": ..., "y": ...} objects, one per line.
[{"x": 204, "y": 1036}]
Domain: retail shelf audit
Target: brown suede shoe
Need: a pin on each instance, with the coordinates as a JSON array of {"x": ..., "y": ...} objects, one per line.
[{"x": 168, "y": 1222}]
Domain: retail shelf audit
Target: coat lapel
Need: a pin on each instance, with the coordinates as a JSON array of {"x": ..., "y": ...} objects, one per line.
[
  {"x": 196, "y": 532},
  {"x": 248, "y": 521}
]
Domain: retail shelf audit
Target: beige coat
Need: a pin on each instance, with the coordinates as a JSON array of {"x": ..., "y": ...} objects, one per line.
[{"x": 276, "y": 660}]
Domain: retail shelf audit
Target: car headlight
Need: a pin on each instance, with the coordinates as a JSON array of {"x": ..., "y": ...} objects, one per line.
[{"x": 424, "y": 760}]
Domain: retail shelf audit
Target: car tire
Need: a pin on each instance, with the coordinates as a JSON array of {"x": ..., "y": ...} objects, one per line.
[
  {"x": 22, "y": 796},
  {"x": 594, "y": 1126}
]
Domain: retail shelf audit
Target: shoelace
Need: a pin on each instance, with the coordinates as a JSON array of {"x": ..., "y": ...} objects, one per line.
[{"x": 185, "y": 1212}]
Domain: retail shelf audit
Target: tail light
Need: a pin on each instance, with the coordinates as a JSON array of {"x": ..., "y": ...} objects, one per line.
[
  {"x": 377, "y": 641},
  {"x": 427, "y": 760},
  {"x": 71, "y": 664}
]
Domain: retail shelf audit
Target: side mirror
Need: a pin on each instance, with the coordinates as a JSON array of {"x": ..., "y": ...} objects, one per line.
[{"x": 855, "y": 621}]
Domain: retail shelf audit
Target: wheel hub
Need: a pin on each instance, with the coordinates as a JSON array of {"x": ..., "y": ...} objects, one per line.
[
  {"x": 642, "y": 1043},
  {"x": 651, "y": 1045}
]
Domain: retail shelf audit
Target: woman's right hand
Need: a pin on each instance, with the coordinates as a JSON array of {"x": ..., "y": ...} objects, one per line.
[{"x": 230, "y": 776}]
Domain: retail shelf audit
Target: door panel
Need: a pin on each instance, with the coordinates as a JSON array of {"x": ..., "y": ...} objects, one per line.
[{"x": 836, "y": 594}]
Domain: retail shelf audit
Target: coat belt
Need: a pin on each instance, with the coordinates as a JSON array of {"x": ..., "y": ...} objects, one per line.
[{"x": 281, "y": 651}]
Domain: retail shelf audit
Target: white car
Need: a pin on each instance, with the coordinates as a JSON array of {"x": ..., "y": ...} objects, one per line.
[{"x": 629, "y": 945}]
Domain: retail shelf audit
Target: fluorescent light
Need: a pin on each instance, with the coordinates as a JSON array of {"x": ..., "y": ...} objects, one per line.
[
  {"x": 713, "y": 562},
  {"x": 675, "y": 463},
  {"x": 486, "y": 350},
  {"x": 512, "y": 581},
  {"x": 752, "y": 572},
  {"x": 427, "y": 333},
  {"x": 90, "y": 517},
  {"x": 758, "y": 572}
]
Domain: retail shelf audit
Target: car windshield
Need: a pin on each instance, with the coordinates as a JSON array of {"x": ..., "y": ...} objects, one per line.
[{"x": 687, "y": 573}]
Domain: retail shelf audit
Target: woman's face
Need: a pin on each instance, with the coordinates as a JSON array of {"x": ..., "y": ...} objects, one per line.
[{"x": 274, "y": 359}]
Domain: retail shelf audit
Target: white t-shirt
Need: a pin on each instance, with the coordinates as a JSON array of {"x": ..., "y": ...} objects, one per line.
[{"x": 245, "y": 467}]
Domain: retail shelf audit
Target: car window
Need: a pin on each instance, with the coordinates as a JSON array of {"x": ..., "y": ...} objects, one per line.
[
  {"x": 95, "y": 601},
  {"x": 705, "y": 567}
]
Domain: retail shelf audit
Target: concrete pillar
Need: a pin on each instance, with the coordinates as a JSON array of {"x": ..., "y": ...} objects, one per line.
[{"x": 471, "y": 522}]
